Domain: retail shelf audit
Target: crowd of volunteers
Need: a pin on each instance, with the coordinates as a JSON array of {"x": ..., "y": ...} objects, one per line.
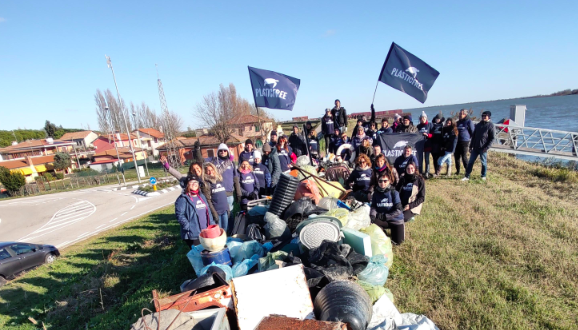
[{"x": 394, "y": 191}]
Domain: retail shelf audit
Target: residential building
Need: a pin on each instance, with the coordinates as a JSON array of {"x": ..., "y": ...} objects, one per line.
[
  {"x": 42, "y": 147},
  {"x": 209, "y": 146},
  {"x": 105, "y": 159},
  {"x": 82, "y": 139},
  {"x": 150, "y": 139},
  {"x": 247, "y": 127},
  {"x": 30, "y": 167}
]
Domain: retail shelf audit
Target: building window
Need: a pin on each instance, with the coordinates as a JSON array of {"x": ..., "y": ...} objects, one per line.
[
  {"x": 256, "y": 127},
  {"x": 241, "y": 131},
  {"x": 210, "y": 153}
]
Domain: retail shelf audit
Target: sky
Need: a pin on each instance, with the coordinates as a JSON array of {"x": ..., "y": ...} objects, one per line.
[{"x": 52, "y": 53}]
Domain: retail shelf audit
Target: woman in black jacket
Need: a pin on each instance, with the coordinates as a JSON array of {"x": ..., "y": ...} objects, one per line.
[
  {"x": 360, "y": 179},
  {"x": 450, "y": 136},
  {"x": 386, "y": 210},
  {"x": 436, "y": 140},
  {"x": 411, "y": 187}
]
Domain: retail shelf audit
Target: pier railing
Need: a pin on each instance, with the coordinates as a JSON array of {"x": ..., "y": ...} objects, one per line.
[{"x": 536, "y": 142}]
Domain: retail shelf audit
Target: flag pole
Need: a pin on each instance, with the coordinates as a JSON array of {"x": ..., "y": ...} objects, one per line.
[{"x": 376, "y": 84}]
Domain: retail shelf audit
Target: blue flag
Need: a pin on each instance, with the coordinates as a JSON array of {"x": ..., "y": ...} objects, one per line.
[
  {"x": 405, "y": 72},
  {"x": 273, "y": 90}
]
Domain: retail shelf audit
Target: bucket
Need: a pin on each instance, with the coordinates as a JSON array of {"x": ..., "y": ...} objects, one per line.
[
  {"x": 222, "y": 257},
  {"x": 213, "y": 231}
]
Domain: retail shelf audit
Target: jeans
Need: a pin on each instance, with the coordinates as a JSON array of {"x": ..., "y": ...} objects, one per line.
[
  {"x": 473, "y": 156},
  {"x": 230, "y": 200},
  {"x": 224, "y": 221},
  {"x": 342, "y": 129},
  {"x": 461, "y": 152},
  {"x": 447, "y": 158},
  {"x": 426, "y": 160}
]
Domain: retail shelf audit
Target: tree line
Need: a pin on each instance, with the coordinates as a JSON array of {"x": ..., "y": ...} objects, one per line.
[{"x": 19, "y": 135}]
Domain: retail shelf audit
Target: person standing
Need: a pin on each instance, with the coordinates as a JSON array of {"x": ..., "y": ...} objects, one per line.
[
  {"x": 465, "y": 132},
  {"x": 313, "y": 145},
  {"x": 228, "y": 170},
  {"x": 273, "y": 141},
  {"x": 386, "y": 208},
  {"x": 247, "y": 154},
  {"x": 484, "y": 135},
  {"x": 297, "y": 143},
  {"x": 271, "y": 160},
  {"x": 339, "y": 116},
  {"x": 285, "y": 155},
  {"x": 406, "y": 126},
  {"x": 327, "y": 128},
  {"x": 263, "y": 175},
  {"x": 436, "y": 139},
  {"x": 218, "y": 195},
  {"x": 411, "y": 187},
  {"x": 424, "y": 128},
  {"x": 385, "y": 128},
  {"x": 336, "y": 141},
  {"x": 450, "y": 136},
  {"x": 406, "y": 158},
  {"x": 192, "y": 212},
  {"x": 249, "y": 185}
]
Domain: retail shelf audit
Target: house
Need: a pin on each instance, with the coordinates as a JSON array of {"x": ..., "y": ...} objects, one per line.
[
  {"x": 42, "y": 147},
  {"x": 247, "y": 127},
  {"x": 150, "y": 139},
  {"x": 82, "y": 139},
  {"x": 105, "y": 159},
  {"x": 105, "y": 142},
  {"x": 30, "y": 167},
  {"x": 209, "y": 146}
]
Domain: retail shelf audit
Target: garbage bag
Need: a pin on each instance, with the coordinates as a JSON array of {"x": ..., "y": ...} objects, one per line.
[
  {"x": 268, "y": 246},
  {"x": 255, "y": 232},
  {"x": 275, "y": 227},
  {"x": 380, "y": 243},
  {"x": 257, "y": 214},
  {"x": 195, "y": 258},
  {"x": 374, "y": 291},
  {"x": 242, "y": 268},
  {"x": 376, "y": 271},
  {"x": 234, "y": 246},
  {"x": 225, "y": 268},
  {"x": 343, "y": 301},
  {"x": 336, "y": 261},
  {"x": 359, "y": 218},
  {"x": 389, "y": 295},
  {"x": 250, "y": 248},
  {"x": 328, "y": 203},
  {"x": 387, "y": 317},
  {"x": 339, "y": 213},
  {"x": 214, "y": 278},
  {"x": 268, "y": 262}
]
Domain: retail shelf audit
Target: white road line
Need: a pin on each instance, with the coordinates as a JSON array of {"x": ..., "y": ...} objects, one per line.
[
  {"x": 113, "y": 219},
  {"x": 123, "y": 214},
  {"x": 59, "y": 245},
  {"x": 82, "y": 235},
  {"x": 132, "y": 207},
  {"x": 72, "y": 210},
  {"x": 72, "y": 216},
  {"x": 100, "y": 226}
]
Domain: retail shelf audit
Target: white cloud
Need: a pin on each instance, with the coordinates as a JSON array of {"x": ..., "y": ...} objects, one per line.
[
  {"x": 2, "y": 20},
  {"x": 329, "y": 33}
]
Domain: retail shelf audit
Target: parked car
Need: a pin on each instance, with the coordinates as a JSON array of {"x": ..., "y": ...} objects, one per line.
[{"x": 16, "y": 257}]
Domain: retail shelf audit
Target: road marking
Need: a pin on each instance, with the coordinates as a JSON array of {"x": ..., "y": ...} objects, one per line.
[
  {"x": 100, "y": 226},
  {"x": 123, "y": 214},
  {"x": 113, "y": 219},
  {"x": 132, "y": 207},
  {"x": 82, "y": 235}
]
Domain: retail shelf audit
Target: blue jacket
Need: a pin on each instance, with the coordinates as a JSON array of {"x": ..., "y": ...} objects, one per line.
[
  {"x": 188, "y": 218},
  {"x": 465, "y": 129}
]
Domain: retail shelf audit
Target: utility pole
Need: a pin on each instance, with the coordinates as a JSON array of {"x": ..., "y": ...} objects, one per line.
[
  {"x": 114, "y": 143},
  {"x": 136, "y": 124},
  {"x": 173, "y": 152},
  {"x": 124, "y": 118}
]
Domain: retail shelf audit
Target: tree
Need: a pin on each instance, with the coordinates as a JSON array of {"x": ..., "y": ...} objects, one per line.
[
  {"x": 12, "y": 181},
  {"x": 50, "y": 129},
  {"x": 61, "y": 161}
]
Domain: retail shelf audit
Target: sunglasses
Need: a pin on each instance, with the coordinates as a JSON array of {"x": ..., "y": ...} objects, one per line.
[{"x": 383, "y": 181}]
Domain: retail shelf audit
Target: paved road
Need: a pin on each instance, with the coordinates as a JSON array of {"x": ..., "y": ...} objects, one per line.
[{"x": 65, "y": 218}]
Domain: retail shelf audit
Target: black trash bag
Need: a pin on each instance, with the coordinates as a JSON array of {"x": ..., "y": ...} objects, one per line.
[
  {"x": 336, "y": 261},
  {"x": 279, "y": 243},
  {"x": 239, "y": 225},
  {"x": 358, "y": 261},
  {"x": 344, "y": 301},
  {"x": 212, "y": 279},
  {"x": 255, "y": 233},
  {"x": 301, "y": 210},
  {"x": 316, "y": 281}
]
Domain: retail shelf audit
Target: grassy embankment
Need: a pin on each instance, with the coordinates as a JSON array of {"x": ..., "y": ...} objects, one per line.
[{"x": 501, "y": 254}]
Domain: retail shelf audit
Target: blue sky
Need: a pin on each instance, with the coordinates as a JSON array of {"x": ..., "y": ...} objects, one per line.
[{"x": 52, "y": 53}]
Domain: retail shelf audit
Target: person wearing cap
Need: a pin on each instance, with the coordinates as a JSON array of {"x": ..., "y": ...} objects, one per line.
[
  {"x": 406, "y": 126},
  {"x": 192, "y": 212},
  {"x": 465, "y": 132},
  {"x": 397, "y": 120},
  {"x": 385, "y": 128},
  {"x": 228, "y": 170},
  {"x": 346, "y": 154},
  {"x": 484, "y": 135},
  {"x": 386, "y": 209},
  {"x": 423, "y": 128},
  {"x": 296, "y": 142},
  {"x": 339, "y": 116},
  {"x": 218, "y": 195},
  {"x": 271, "y": 160},
  {"x": 247, "y": 154},
  {"x": 328, "y": 128},
  {"x": 273, "y": 138},
  {"x": 262, "y": 173},
  {"x": 407, "y": 157}
]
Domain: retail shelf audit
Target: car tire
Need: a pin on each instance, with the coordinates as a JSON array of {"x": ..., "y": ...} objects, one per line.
[
  {"x": 2, "y": 281},
  {"x": 50, "y": 258}
]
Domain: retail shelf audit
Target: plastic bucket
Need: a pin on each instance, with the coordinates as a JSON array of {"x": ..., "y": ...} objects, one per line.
[
  {"x": 213, "y": 231},
  {"x": 222, "y": 257}
]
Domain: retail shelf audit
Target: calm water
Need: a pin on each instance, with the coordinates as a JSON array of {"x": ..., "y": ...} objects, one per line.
[{"x": 556, "y": 112}]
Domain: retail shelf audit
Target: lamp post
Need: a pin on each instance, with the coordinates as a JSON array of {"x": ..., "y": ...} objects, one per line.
[
  {"x": 123, "y": 117},
  {"x": 138, "y": 137},
  {"x": 109, "y": 113}
]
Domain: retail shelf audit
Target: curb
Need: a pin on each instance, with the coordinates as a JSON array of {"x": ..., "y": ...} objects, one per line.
[
  {"x": 156, "y": 193},
  {"x": 136, "y": 186}
]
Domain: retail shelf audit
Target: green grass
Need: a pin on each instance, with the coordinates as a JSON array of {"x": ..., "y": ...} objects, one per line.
[{"x": 496, "y": 254}]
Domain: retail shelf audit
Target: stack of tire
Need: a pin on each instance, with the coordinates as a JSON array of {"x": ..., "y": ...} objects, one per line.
[{"x": 284, "y": 194}]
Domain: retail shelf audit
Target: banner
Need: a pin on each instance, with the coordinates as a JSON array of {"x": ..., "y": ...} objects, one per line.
[
  {"x": 273, "y": 90},
  {"x": 405, "y": 72},
  {"x": 392, "y": 145}
]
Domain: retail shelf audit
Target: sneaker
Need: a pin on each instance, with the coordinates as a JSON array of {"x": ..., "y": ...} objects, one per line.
[
  {"x": 466, "y": 179},
  {"x": 484, "y": 178}
]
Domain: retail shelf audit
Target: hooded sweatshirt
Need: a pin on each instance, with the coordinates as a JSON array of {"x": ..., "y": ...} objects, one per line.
[
  {"x": 248, "y": 156},
  {"x": 465, "y": 129},
  {"x": 218, "y": 194},
  {"x": 263, "y": 175},
  {"x": 327, "y": 125},
  {"x": 249, "y": 183},
  {"x": 450, "y": 140},
  {"x": 401, "y": 162},
  {"x": 436, "y": 135},
  {"x": 386, "y": 204},
  {"x": 361, "y": 178},
  {"x": 411, "y": 191}
]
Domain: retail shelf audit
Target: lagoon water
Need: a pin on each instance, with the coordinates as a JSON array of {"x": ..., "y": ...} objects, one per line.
[{"x": 554, "y": 112}]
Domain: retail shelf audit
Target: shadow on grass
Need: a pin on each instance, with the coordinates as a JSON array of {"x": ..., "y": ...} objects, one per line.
[{"x": 106, "y": 283}]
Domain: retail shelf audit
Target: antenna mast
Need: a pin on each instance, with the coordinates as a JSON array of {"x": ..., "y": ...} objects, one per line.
[{"x": 173, "y": 150}]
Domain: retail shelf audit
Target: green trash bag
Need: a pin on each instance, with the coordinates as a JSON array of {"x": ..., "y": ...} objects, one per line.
[
  {"x": 380, "y": 243},
  {"x": 374, "y": 291},
  {"x": 268, "y": 262}
]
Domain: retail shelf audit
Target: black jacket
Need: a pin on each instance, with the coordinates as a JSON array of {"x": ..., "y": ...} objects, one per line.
[
  {"x": 436, "y": 135},
  {"x": 297, "y": 144},
  {"x": 450, "y": 140},
  {"x": 339, "y": 116},
  {"x": 484, "y": 135},
  {"x": 272, "y": 163}
]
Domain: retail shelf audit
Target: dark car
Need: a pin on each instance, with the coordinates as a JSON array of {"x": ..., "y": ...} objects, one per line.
[{"x": 16, "y": 257}]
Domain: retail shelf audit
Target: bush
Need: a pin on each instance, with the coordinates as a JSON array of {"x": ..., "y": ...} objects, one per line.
[
  {"x": 61, "y": 161},
  {"x": 48, "y": 177},
  {"x": 12, "y": 181},
  {"x": 59, "y": 176}
]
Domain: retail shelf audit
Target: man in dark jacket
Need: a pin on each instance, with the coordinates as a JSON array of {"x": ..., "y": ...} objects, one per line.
[
  {"x": 436, "y": 139},
  {"x": 273, "y": 141},
  {"x": 406, "y": 126},
  {"x": 465, "y": 133},
  {"x": 297, "y": 143},
  {"x": 339, "y": 116},
  {"x": 484, "y": 135},
  {"x": 407, "y": 157},
  {"x": 328, "y": 128},
  {"x": 424, "y": 127},
  {"x": 247, "y": 154},
  {"x": 271, "y": 160},
  {"x": 385, "y": 128}
]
